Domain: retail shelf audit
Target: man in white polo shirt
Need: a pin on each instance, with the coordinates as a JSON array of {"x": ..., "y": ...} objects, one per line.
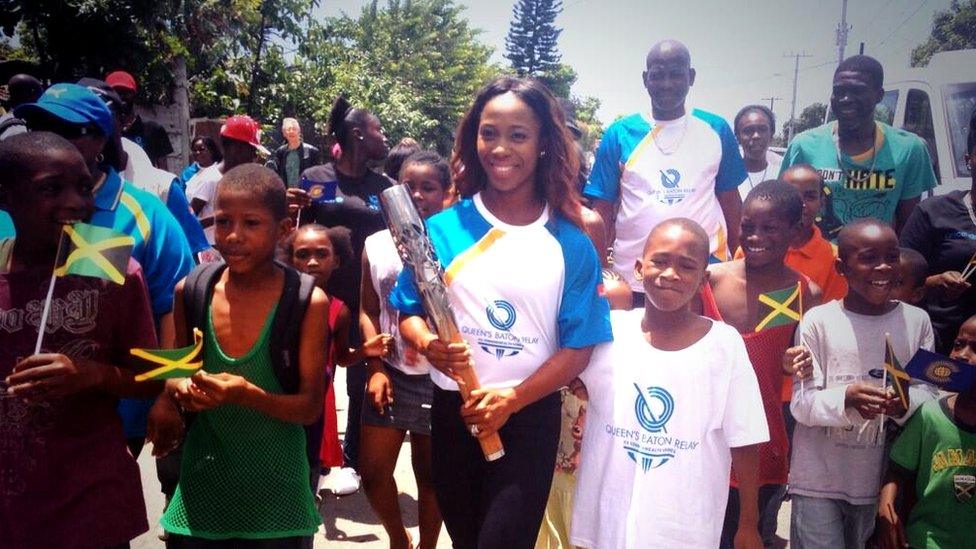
[{"x": 669, "y": 163}]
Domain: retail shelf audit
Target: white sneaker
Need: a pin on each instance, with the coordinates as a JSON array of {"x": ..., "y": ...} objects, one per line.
[{"x": 345, "y": 481}]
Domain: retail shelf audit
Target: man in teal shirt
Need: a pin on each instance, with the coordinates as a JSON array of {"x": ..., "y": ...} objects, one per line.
[{"x": 870, "y": 169}]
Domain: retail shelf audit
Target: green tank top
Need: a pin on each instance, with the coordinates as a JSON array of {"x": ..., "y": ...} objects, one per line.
[{"x": 244, "y": 474}]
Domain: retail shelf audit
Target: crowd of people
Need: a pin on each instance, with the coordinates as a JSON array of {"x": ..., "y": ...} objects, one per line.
[{"x": 670, "y": 342}]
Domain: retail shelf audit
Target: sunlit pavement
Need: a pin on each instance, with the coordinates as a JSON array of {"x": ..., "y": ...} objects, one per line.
[{"x": 347, "y": 521}]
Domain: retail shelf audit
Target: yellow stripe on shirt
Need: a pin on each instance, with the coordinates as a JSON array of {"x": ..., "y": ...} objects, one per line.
[
  {"x": 644, "y": 143},
  {"x": 136, "y": 210},
  {"x": 471, "y": 253}
]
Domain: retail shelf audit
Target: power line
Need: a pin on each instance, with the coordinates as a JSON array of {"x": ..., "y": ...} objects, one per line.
[
  {"x": 772, "y": 101},
  {"x": 796, "y": 77},
  {"x": 902, "y": 24}
]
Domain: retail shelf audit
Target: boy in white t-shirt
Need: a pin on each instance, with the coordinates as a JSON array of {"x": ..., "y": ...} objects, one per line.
[{"x": 673, "y": 403}]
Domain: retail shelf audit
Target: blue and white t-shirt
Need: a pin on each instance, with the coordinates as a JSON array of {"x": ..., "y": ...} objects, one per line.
[
  {"x": 664, "y": 169},
  {"x": 519, "y": 293}
]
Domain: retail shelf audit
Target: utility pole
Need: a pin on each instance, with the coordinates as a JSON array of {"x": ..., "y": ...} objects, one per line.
[
  {"x": 796, "y": 77},
  {"x": 772, "y": 101},
  {"x": 842, "y": 30}
]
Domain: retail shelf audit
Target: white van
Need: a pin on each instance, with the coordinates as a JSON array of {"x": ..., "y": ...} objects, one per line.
[{"x": 936, "y": 103}]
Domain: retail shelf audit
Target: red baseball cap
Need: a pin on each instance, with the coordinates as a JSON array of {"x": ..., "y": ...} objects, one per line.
[
  {"x": 121, "y": 79},
  {"x": 241, "y": 127}
]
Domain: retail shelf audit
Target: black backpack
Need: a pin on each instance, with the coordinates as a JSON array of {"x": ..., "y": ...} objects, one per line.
[{"x": 285, "y": 328}]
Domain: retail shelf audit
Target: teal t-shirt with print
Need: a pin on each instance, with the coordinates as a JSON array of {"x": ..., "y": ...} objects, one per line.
[
  {"x": 941, "y": 454},
  {"x": 867, "y": 185}
]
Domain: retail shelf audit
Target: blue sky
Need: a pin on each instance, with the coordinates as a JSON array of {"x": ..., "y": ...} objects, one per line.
[{"x": 737, "y": 46}]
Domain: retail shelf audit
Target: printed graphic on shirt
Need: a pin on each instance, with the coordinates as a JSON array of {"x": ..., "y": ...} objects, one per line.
[
  {"x": 671, "y": 193},
  {"x": 501, "y": 342},
  {"x": 651, "y": 446},
  {"x": 964, "y": 486}
]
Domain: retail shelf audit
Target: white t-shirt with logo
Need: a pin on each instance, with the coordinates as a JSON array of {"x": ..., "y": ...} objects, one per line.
[
  {"x": 203, "y": 185},
  {"x": 384, "y": 268},
  {"x": 519, "y": 292},
  {"x": 663, "y": 169},
  {"x": 656, "y": 459}
]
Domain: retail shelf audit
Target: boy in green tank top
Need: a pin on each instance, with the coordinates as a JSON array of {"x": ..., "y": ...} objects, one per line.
[
  {"x": 244, "y": 475},
  {"x": 933, "y": 469}
]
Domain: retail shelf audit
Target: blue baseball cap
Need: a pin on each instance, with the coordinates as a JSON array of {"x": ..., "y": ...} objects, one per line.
[{"x": 73, "y": 104}]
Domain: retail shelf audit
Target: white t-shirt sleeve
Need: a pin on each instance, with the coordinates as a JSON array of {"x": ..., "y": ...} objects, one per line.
[
  {"x": 744, "y": 421},
  {"x": 202, "y": 188}
]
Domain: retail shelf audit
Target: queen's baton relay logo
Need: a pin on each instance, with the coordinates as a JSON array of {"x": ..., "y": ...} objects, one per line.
[
  {"x": 500, "y": 341},
  {"x": 652, "y": 445},
  {"x": 671, "y": 193}
]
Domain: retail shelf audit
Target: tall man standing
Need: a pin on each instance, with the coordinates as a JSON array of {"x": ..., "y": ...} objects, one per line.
[
  {"x": 671, "y": 163},
  {"x": 295, "y": 156},
  {"x": 869, "y": 169}
]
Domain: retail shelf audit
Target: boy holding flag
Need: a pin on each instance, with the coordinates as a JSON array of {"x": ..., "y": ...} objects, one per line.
[
  {"x": 65, "y": 470},
  {"x": 763, "y": 298},
  {"x": 838, "y": 445}
]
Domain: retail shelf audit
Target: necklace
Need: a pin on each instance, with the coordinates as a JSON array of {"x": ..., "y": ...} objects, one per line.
[
  {"x": 967, "y": 200},
  {"x": 659, "y": 129},
  {"x": 752, "y": 184},
  {"x": 848, "y": 173}
]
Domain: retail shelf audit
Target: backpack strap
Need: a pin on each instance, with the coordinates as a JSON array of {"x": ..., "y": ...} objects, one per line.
[
  {"x": 286, "y": 327},
  {"x": 197, "y": 291}
]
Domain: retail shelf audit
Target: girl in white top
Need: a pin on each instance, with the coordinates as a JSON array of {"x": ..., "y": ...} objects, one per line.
[{"x": 398, "y": 390}]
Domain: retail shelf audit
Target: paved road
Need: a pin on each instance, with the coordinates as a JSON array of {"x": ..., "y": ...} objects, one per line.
[{"x": 348, "y": 522}]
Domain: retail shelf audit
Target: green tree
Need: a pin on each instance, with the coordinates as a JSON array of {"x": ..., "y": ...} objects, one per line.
[
  {"x": 416, "y": 64},
  {"x": 810, "y": 117},
  {"x": 953, "y": 29},
  {"x": 531, "y": 42},
  {"x": 233, "y": 48}
]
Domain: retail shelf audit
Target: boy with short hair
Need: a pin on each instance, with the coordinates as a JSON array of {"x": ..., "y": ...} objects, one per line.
[
  {"x": 673, "y": 398},
  {"x": 810, "y": 253},
  {"x": 66, "y": 476},
  {"x": 770, "y": 221},
  {"x": 913, "y": 269},
  {"x": 244, "y": 473},
  {"x": 838, "y": 444}
]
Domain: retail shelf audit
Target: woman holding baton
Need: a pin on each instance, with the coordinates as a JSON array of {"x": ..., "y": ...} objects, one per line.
[{"x": 523, "y": 280}]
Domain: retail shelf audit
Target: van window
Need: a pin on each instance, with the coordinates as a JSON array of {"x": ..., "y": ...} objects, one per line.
[
  {"x": 918, "y": 120},
  {"x": 960, "y": 100},
  {"x": 885, "y": 110}
]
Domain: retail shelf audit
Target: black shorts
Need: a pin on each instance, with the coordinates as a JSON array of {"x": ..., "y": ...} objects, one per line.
[{"x": 410, "y": 410}]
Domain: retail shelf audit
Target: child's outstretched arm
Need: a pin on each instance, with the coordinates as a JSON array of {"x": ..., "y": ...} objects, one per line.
[
  {"x": 204, "y": 391},
  {"x": 376, "y": 346}
]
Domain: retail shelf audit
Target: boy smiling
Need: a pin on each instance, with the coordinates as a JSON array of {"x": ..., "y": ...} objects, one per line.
[
  {"x": 837, "y": 446},
  {"x": 674, "y": 397}
]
